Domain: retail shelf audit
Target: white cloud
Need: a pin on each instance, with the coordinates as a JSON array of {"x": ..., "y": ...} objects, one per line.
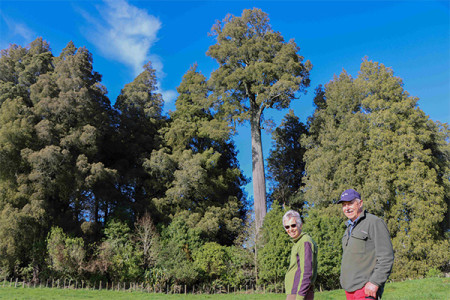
[
  {"x": 169, "y": 95},
  {"x": 18, "y": 29},
  {"x": 126, "y": 34}
]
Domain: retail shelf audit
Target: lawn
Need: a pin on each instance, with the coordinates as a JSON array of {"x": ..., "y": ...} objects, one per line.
[{"x": 431, "y": 288}]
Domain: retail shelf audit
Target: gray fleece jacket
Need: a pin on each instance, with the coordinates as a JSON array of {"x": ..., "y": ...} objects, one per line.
[{"x": 367, "y": 254}]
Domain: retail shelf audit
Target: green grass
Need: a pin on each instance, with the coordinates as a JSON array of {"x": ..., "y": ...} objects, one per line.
[{"x": 431, "y": 288}]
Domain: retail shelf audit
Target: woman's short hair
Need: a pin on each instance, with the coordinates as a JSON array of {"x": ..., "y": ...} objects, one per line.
[{"x": 292, "y": 214}]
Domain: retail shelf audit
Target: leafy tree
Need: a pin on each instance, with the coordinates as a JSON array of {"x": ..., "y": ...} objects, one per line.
[
  {"x": 198, "y": 166},
  {"x": 117, "y": 255},
  {"x": 370, "y": 135},
  {"x": 22, "y": 240},
  {"x": 285, "y": 163},
  {"x": 212, "y": 259},
  {"x": 54, "y": 119},
  {"x": 140, "y": 107},
  {"x": 257, "y": 70},
  {"x": 240, "y": 267},
  {"x": 179, "y": 242},
  {"x": 67, "y": 255}
]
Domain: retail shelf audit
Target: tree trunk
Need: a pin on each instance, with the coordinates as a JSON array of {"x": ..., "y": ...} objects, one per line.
[{"x": 259, "y": 180}]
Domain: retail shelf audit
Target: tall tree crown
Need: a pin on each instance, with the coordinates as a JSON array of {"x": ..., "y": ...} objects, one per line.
[{"x": 258, "y": 69}]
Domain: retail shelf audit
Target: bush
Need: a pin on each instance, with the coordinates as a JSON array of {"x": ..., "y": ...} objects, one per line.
[
  {"x": 273, "y": 257},
  {"x": 433, "y": 272},
  {"x": 326, "y": 227}
]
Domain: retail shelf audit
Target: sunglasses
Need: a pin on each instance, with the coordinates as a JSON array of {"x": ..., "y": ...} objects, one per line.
[{"x": 291, "y": 226}]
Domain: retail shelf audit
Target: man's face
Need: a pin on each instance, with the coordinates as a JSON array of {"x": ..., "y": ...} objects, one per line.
[
  {"x": 352, "y": 209},
  {"x": 292, "y": 229}
]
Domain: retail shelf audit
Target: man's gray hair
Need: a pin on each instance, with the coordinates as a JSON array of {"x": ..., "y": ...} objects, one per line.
[{"x": 292, "y": 214}]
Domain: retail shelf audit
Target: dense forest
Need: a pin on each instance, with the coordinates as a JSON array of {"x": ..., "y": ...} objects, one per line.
[{"x": 94, "y": 189}]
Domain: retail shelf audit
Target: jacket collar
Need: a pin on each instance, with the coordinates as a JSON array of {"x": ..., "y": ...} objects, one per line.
[
  {"x": 299, "y": 237},
  {"x": 359, "y": 219}
]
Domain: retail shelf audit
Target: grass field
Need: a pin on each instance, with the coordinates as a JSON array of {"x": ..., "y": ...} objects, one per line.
[{"x": 431, "y": 288}]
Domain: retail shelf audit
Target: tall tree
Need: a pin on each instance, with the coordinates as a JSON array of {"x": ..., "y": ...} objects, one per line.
[
  {"x": 55, "y": 117},
  {"x": 199, "y": 166},
  {"x": 370, "y": 135},
  {"x": 68, "y": 171},
  {"x": 140, "y": 107},
  {"x": 257, "y": 70},
  {"x": 286, "y": 164},
  {"x": 21, "y": 218}
]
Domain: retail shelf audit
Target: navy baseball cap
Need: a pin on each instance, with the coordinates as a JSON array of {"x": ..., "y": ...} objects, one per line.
[{"x": 349, "y": 195}]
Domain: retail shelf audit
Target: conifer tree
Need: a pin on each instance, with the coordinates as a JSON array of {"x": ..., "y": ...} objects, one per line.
[
  {"x": 140, "y": 117},
  {"x": 371, "y": 136},
  {"x": 285, "y": 163},
  {"x": 59, "y": 115},
  {"x": 21, "y": 218},
  {"x": 66, "y": 162},
  {"x": 199, "y": 165},
  {"x": 258, "y": 70}
]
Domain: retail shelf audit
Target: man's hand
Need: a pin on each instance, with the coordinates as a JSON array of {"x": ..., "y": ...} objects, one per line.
[{"x": 371, "y": 290}]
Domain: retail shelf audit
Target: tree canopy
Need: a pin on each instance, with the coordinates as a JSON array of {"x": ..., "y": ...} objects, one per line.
[
  {"x": 370, "y": 135},
  {"x": 99, "y": 192},
  {"x": 257, "y": 70}
]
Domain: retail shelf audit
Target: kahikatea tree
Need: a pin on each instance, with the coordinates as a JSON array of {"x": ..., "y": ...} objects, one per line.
[
  {"x": 67, "y": 171},
  {"x": 199, "y": 167},
  {"x": 370, "y": 135},
  {"x": 257, "y": 70},
  {"x": 54, "y": 117},
  {"x": 285, "y": 163},
  {"x": 21, "y": 218},
  {"x": 140, "y": 118}
]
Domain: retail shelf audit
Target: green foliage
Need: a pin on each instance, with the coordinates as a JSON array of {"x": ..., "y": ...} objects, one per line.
[
  {"x": 117, "y": 255},
  {"x": 326, "y": 226},
  {"x": 285, "y": 164},
  {"x": 256, "y": 66},
  {"x": 140, "y": 108},
  {"x": 370, "y": 135},
  {"x": 222, "y": 265},
  {"x": 73, "y": 163},
  {"x": 198, "y": 166},
  {"x": 194, "y": 125},
  {"x": 211, "y": 259},
  {"x": 67, "y": 255},
  {"x": 433, "y": 272},
  {"x": 273, "y": 256},
  {"x": 240, "y": 266},
  {"x": 257, "y": 70},
  {"x": 22, "y": 215},
  {"x": 179, "y": 242}
]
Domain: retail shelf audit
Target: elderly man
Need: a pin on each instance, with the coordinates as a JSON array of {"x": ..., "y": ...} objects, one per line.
[
  {"x": 302, "y": 271},
  {"x": 368, "y": 256}
]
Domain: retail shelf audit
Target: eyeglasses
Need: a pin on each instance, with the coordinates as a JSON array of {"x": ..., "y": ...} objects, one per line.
[{"x": 291, "y": 226}]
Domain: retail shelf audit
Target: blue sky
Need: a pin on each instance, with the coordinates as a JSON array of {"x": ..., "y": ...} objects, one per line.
[{"x": 411, "y": 37}]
